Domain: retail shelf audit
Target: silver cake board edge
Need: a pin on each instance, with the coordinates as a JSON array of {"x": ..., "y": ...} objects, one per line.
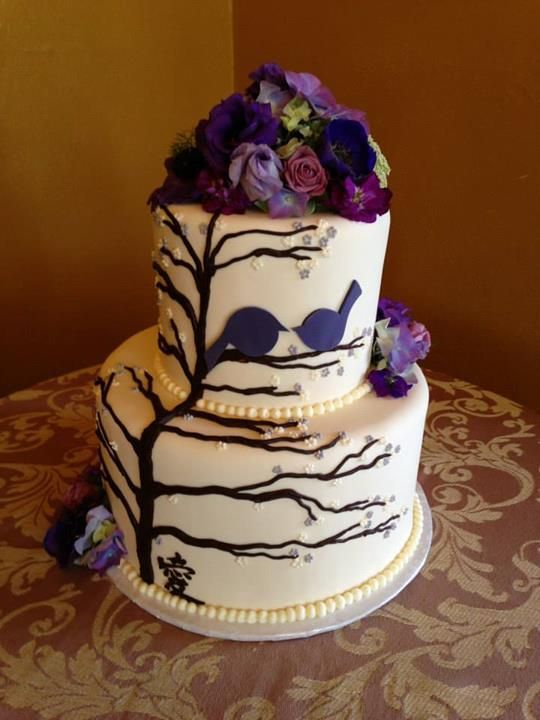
[{"x": 245, "y": 632}]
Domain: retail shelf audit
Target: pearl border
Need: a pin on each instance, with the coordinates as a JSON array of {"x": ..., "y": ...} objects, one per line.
[
  {"x": 290, "y": 614},
  {"x": 261, "y": 413}
]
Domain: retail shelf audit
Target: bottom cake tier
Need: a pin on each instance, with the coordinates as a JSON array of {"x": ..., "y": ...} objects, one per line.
[{"x": 257, "y": 520}]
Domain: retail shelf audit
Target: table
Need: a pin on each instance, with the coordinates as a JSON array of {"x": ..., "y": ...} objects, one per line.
[{"x": 462, "y": 641}]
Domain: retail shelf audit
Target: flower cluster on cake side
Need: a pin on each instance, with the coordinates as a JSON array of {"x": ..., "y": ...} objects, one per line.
[
  {"x": 284, "y": 146},
  {"x": 398, "y": 343},
  {"x": 84, "y": 531}
]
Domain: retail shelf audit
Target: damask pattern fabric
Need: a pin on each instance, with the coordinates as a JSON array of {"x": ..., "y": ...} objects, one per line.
[{"x": 461, "y": 642}]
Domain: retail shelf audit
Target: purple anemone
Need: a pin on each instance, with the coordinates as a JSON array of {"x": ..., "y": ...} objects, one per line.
[{"x": 344, "y": 150}]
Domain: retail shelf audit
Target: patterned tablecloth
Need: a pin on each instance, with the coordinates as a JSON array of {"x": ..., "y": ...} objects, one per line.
[{"x": 462, "y": 641}]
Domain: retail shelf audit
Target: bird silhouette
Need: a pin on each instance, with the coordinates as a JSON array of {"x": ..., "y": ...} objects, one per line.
[
  {"x": 251, "y": 330},
  {"x": 323, "y": 328}
]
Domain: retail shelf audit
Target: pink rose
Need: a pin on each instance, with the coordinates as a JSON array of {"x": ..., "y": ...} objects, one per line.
[{"x": 304, "y": 173}]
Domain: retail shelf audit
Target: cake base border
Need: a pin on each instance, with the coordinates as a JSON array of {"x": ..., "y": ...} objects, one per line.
[{"x": 298, "y": 629}]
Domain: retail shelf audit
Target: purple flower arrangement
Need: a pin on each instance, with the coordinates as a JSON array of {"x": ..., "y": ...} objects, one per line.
[
  {"x": 399, "y": 342},
  {"x": 285, "y": 147},
  {"x": 84, "y": 532}
]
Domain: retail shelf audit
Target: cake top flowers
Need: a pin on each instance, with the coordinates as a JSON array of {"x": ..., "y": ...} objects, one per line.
[{"x": 285, "y": 147}]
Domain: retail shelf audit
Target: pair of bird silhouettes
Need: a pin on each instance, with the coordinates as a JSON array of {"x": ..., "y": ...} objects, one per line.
[{"x": 254, "y": 331}]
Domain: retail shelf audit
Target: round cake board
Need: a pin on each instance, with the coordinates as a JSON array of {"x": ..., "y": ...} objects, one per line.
[{"x": 300, "y": 628}]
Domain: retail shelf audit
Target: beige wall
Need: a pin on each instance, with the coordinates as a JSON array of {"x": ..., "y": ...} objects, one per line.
[
  {"x": 91, "y": 95},
  {"x": 452, "y": 92}
]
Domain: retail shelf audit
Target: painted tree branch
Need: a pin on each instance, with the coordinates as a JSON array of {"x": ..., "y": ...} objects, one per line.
[
  {"x": 271, "y": 233},
  {"x": 148, "y": 390},
  {"x": 170, "y": 349},
  {"x": 258, "y": 549},
  {"x": 208, "y": 258},
  {"x": 102, "y": 436},
  {"x": 234, "y": 355},
  {"x": 258, "y": 426},
  {"x": 104, "y": 388},
  {"x": 170, "y": 289},
  {"x": 270, "y": 252},
  {"x": 351, "y": 345},
  {"x": 173, "y": 224},
  {"x": 199, "y": 333},
  {"x": 304, "y": 501},
  {"x": 290, "y": 361},
  {"x": 270, "y": 444},
  {"x": 116, "y": 490},
  {"x": 333, "y": 474},
  {"x": 265, "y": 390},
  {"x": 178, "y": 262}
]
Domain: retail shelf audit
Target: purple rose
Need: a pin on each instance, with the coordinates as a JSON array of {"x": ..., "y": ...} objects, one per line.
[
  {"x": 345, "y": 151},
  {"x": 304, "y": 173},
  {"x": 386, "y": 384},
  {"x": 107, "y": 553},
  {"x": 286, "y": 203},
  {"x": 361, "y": 203},
  {"x": 217, "y": 195},
  {"x": 257, "y": 169},
  {"x": 231, "y": 123},
  {"x": 395, "y": 311}
]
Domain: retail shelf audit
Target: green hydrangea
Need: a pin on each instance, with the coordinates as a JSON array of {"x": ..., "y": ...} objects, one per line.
[
  {"x": 295, "y": 112},
  {"x": 382, "y": 168}
]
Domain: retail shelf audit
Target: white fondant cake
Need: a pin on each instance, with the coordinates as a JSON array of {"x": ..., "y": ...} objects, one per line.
[
  {"x": 318, "y": 259},
  {"x": 276, "y": 481},
  {"x": 256, "y": 465}
]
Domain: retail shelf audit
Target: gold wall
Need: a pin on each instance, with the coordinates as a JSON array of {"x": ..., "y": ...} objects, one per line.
[
  {"x": 91, "y": 96},
  {"x": 452, "y": 93}
]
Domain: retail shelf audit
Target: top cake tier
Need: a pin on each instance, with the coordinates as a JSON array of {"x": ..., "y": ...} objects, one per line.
[{"x": 270, "y": 317}]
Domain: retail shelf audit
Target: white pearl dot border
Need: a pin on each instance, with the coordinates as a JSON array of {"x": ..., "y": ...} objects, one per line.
[
  {"x": 262, "y": 413},
  {"x": 293, "y": 613}
]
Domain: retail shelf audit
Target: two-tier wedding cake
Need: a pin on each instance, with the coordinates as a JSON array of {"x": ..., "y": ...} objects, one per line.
[{"x": 260, "y": 446}]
